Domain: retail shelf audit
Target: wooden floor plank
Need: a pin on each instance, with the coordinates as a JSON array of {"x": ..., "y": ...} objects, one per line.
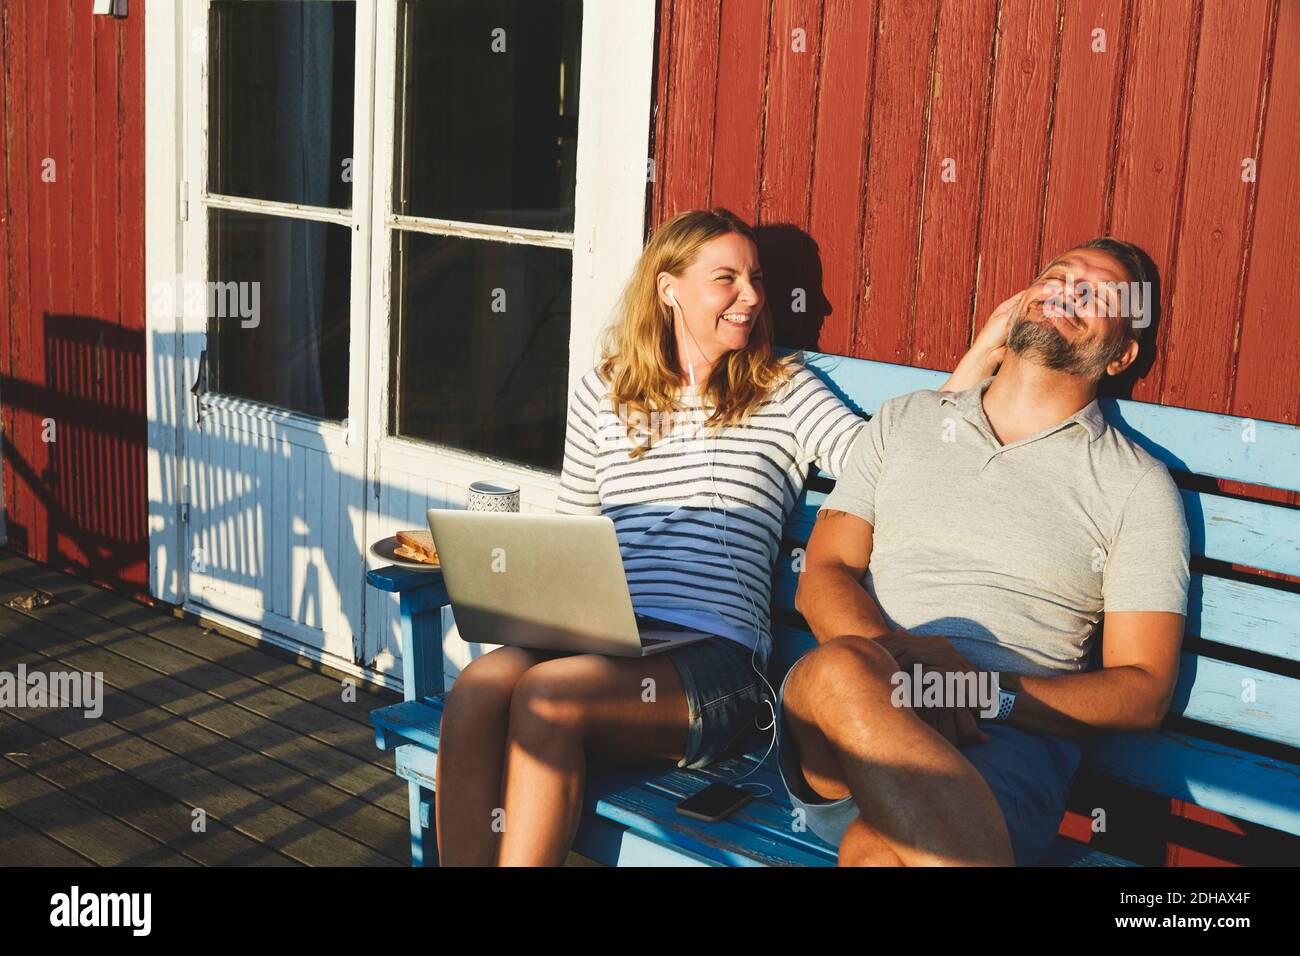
[
  {"x": 304, "y": 718},
  {"x": 101, "y": 646},
  {"x": 70, "y": 822},
  {"x": 265, "y": 666},
  {"x": 140, "y": 738},
  {"x": 115, "y": 794},
  {"x": 22, "y": 846}
]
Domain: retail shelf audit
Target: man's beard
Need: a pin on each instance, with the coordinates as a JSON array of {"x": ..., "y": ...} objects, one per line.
[{"x": 1043, "y": 343}]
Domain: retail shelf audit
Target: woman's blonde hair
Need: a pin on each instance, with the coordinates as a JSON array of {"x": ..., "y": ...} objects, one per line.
[{"x": 639, "y": 352}]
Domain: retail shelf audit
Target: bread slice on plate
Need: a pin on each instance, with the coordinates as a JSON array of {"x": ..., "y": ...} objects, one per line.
[{"x": 416, "y": 546}]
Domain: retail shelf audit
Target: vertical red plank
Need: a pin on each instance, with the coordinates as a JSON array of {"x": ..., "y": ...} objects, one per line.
[
  {"x": 63, "y": 466},
  {"x": 1265, "y": 381},
  {"x": 792, "y": 82},
  {"x": 691, "y": 100},
  {"x": 1012, "y": 205},
  {"x": 839, "y": 162},
  {"x": 738, "y": 124},
  {"x": 789, "y": 261},
  {"x": 31, "y": 451},
  {"x": 85, "y": 96},
  {"x": 60, "y": 191},
  {"x": 82, "y": 94},
  {"x": 104, "y": 176},
  {"x": 1217, "y": 205},
  {"x": 130, "y": 356},
  {"x": 4, "y": 183},
  {"x": 1267, "y": 385},
  {"x": 904, "y": 51},
  {"x": 105, "y": 170},
  {"x": 954, "y": 164},
  {"x": 1151, "y": 152},
  {"x": 659, "y": 108},
  {"x": 1087, "y": 91},
  {"x": 7, "y": 278}
]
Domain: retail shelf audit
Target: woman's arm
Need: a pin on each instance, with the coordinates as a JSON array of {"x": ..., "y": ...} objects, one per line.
[
  {"x": 579, "y": 492},
  {"x": 985, "y": 353}
]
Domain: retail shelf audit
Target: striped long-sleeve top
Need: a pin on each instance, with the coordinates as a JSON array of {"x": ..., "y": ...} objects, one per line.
[{"x": 699, "y": 518}]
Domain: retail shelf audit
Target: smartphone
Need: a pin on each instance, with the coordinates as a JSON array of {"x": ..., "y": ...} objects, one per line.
[{"x": 715, "y": 802}]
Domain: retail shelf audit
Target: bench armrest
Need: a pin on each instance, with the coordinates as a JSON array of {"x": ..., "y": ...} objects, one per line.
[{"x": 421, "y": 598}]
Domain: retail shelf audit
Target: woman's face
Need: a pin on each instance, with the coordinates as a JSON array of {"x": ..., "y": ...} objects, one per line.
[{"x": 720, "y": 295}]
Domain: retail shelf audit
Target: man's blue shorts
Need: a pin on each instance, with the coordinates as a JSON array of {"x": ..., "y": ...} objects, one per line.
[{"x": 1030, "y": 775}]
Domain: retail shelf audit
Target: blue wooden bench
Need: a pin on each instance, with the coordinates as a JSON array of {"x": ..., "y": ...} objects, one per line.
[{"x": 1229, "y": 744}]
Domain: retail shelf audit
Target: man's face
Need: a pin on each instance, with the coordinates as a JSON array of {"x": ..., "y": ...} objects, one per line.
[{"x": 1076, "y": 316}]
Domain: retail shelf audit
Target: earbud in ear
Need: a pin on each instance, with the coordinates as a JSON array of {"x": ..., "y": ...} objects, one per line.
[{"x": 672, "y": 295}]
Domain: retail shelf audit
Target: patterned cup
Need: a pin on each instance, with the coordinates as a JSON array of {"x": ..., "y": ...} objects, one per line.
[{"x": 493, "y": 496}]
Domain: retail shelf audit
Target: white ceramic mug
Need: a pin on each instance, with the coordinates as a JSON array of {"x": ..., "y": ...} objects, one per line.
[{"x": 493, "y": 496}]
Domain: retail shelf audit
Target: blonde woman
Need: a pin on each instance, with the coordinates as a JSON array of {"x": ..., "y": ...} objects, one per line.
[{"x": 695, "y": 439}]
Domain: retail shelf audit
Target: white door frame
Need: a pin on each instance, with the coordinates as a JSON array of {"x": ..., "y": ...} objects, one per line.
[{"x": 614, "y": 124}]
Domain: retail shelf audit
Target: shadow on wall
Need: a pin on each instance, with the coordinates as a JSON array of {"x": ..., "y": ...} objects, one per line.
[{"x": 75, "y": 476}]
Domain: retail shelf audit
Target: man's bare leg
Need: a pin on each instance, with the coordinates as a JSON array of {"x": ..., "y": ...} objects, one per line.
[{"x": 914, "y": 790}]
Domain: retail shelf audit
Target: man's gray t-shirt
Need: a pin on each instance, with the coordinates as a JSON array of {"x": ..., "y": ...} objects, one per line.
[{"x": 1012, "y": 551}]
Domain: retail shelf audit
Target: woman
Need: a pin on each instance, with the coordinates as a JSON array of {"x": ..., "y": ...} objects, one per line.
[{"x": 698, "y": 512}]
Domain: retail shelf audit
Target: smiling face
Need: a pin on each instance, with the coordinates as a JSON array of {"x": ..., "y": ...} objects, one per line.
[
  {"x": 1074, "y": 318},
  {"x": 720, "y": 295}
]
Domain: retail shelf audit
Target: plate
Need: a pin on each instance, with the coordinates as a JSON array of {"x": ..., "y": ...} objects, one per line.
[{"x": 385, "y": 550}]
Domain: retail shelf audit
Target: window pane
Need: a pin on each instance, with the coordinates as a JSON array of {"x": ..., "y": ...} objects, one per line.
[
  {"x": 278, "y": 319},
  {"x": 481, "y": 342},
  {"x": 280, "y": 93},
  {"x": 489, "y": 111}
]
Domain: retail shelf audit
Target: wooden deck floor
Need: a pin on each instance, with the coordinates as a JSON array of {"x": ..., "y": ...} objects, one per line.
[{"x": 285, "y": 771}]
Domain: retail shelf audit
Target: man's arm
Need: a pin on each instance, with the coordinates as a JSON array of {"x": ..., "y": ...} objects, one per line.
[
  {"x": 830, "y": 595},
  {"x": 1144, "y": 596},
  {"x": 1131, "y": 692}
]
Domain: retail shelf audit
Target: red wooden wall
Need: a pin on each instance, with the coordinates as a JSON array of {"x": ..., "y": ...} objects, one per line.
[
  {"x": 72, "y": 347},
  {"x": 1052, "y": 144},
  {"x": 837, "y": 152}
]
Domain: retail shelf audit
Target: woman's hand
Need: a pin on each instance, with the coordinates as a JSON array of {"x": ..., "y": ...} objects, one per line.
[{"x": 986, "y": 352}]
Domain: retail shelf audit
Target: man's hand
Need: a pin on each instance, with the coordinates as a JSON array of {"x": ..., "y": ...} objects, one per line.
[
  {"x": 957, "y": 724},
  {"x": 986, "y": 352}
]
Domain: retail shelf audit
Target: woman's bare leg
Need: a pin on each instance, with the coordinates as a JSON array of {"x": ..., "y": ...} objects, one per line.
[
  {"x": 471, "y": 756},
  {"x": 565, "y": 709}
]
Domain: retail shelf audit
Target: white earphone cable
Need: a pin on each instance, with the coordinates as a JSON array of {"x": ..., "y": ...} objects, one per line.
[{"x": 770, "y": 699}]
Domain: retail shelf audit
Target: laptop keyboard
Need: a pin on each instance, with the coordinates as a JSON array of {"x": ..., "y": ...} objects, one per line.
[{"x": 646, "y": 623}]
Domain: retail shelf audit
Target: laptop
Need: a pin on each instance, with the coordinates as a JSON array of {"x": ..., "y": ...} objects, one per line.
[{"x": 544, "y": 581}]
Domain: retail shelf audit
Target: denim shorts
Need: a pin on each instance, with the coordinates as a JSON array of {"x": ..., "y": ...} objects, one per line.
[
  {"x": 1030, "y": 776},
  {"x": 724, "y": 697}
]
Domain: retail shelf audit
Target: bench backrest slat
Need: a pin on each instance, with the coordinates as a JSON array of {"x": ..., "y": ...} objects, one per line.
[
  {"x": 1245, "y": 615},
  {"x": 1236, "y": 697},
  {"x": 1216, "y": 777},
  {"x": 1199, "y": 443}
]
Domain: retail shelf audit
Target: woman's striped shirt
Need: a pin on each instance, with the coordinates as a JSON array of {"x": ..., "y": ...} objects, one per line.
[{"x": 694, "y": 514}]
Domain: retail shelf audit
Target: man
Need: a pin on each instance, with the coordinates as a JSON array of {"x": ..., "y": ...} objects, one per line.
[{"x": 988, "y": 531}]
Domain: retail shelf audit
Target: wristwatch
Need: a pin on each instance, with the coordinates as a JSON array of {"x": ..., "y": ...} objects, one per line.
[{"x": 1006, "y": 700}]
